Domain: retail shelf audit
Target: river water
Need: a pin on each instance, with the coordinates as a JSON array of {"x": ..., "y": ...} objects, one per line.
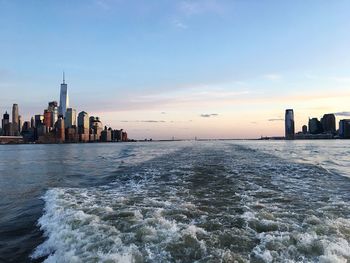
[{"x": 218, "y": 201}]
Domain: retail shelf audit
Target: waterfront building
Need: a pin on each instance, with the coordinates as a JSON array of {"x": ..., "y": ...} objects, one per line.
[
  {"x": 315, "y": 126},
  {"x": 38, "y": 120},
  {"x": 83, "y": 126},
  {"x": 20, "y": 123},
  {"x": 48, "y": 119},
  {"x": 328, "y": 123},
  {"x": 40, "y": 131},
  {"x": 27, "y": 132},
  {"x": 124, "y": 137},
  {"x": 71, "y": 118},
  {"x": 344, "y": 129},
  {"x": 117, "y": 135},
  {"x": 304, "y": 129},
  {"x": 83, "y": 122},
  {"x": 71, "y": 134},
  {"x": 64, "y": 98},
  {"x": 106, "y": 135},
  {"x": 11, "y": 129},
  {"x": 53, "y": 108},
  {"x": 96, "y": 128},
  {"x": 289, "y": 124},
  {"x": 26, "y": 126},
  {"x": 15, "y": 130},
  {"x": 5, "y": 124},
  {"x": 32, "y": 122},
  {"x": 60, "y": 130}
]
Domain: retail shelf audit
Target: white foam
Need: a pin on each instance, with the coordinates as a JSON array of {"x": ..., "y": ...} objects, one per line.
[{"x": 91, "y": 225}]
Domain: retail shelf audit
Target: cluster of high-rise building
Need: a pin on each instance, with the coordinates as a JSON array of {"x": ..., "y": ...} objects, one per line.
[
  {"x": 325, "y": 128},
  {"x": 59, "y": 123}
]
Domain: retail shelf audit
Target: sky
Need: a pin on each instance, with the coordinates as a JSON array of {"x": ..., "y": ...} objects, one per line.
[{"x": 188, "y": 68}]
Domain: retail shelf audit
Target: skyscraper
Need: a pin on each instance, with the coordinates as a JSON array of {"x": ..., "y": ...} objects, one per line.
[
  {"x": 20, "y": 123},
  {"x": 48, "y": 119},
  {"x": 6, "y": 124},
  {"x": 344, "y": 129},
  {"x": 315, "y": 126},
  {"x": 15, "y": 119},
  {"x": 289, "y": 124},
  {"x": 304, "y": 129},
  {"x": 60, "y": 134},
  {"x": 328, "y": 123},
  {"x": 53, "y": 108},
  {"x": 32, "y": 122},
  {"x": 95, "y": 128},
  {"x": 64, "y": 99},
  {"x": 83, "y": 126},
  {"x": 83, "y": 121},
  {"x": 71, "y": 118}
]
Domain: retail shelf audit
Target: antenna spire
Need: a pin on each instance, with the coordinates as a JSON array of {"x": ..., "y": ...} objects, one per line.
[{"x": 63, "y": 78}]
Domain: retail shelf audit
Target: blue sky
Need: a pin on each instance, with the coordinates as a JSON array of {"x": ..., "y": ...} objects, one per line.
[{"x": 156, "y": 68}]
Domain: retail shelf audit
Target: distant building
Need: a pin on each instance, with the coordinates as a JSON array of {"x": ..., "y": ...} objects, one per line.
[
  {"x": 5, "y": 124},
  {"x": 72, "y": 134},
  {"x": 304, "y": 129},
  {"x": 32, "y": 122},
  {"x": 20, "y": 123},
  {"x": 344, "y": 129},
  {"x": 26, "y": 126},
  {"x": 15, "y": 120},
  {"x": 71, "y": 118},
  {"x": 27, "y": 132},
  {"x": 60, "y": 130},
  {"x": 289, "y": 124},
  {"x": 83, "y": 126},
  {"x": 315, "y": 126},
  {"x": 117, "y": 135},
  {"x": 53, "y": 109},
  {"x": 38, "y": 120},
  {"x": 48, "y": 119},
  {"x": 52, "y": 105},
  {"x": 328, "y": 123},
  {"x": 124, "y": 137},
  {"x": 39, "y": 127},
  {"x": 106, "y": 135},
  {"x": 64, "y": 98},
  {"x": 95, "y": 128}
]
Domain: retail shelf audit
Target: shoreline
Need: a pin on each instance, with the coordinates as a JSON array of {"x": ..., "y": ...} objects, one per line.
[{"x": 179, "y": 140}]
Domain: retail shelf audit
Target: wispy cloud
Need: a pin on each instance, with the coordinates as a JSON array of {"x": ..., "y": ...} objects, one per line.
[
  {"x": 273, "y": 76},
  {"x": 338, "y": 79},
  {"x": 342, "y": 113},
  {"x": 179, "y": 24},
  {"x": 106, "y": 4},
  {"x": 195, "y": 7},
  {"x": 276, "y": 119},
  {"x": 187, "y": 9},
  {"x": 209, "y": 115},
  {"x": 149, "y": 121}
]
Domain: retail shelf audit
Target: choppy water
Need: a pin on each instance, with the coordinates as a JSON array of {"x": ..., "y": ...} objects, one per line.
[{"x": 176, "y": 202}]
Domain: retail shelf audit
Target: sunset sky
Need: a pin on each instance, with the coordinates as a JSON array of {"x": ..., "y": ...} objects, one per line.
[{"x": 164, "y": 68}]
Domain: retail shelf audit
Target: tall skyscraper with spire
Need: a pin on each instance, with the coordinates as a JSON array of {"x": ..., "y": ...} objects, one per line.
[{"x": 64, "y": 99}]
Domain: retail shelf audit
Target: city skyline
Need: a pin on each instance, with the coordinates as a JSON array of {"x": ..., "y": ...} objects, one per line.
[
  {"x": 211, "y": 69},
  {"x": 59, "y": 123}
]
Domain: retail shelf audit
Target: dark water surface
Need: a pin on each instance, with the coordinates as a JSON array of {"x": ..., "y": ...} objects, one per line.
[{"x": 176, "y": 202}]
